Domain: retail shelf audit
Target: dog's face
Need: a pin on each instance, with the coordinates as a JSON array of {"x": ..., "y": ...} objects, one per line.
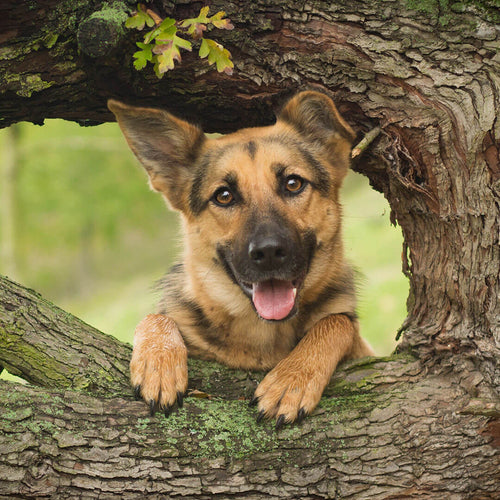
[{"x": 260, "y": 205}]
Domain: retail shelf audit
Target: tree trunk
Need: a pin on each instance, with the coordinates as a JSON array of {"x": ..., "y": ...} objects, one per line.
[{"x": 424, "y": 423}]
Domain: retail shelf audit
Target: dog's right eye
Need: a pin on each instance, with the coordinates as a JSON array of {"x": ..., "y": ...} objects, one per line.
[{"x": 223, "y": 197}]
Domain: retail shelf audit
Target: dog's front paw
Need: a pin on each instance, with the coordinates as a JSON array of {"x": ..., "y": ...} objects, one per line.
[
  {"x": 158, "y": 369},
  {"x": 289, "y": 392}
]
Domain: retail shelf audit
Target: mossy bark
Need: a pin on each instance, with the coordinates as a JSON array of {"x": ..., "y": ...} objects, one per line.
[
  {"x": 425, "y": 425},
  {"x": 49, "y": 347},
  {"x": 384, "y": 428}
]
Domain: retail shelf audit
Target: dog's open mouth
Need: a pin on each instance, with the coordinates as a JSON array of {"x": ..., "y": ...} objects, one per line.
[{"x": 273, "y": 299}]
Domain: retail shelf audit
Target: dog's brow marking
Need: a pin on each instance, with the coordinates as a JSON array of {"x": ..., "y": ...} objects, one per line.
[
  {"x": 278, "y": 169},
  {"x": 251, "y": 147},
  {"x": 231, "y": 179},
  {"x": 321, "y": 176},
  {"x": 196, "y": 202}
]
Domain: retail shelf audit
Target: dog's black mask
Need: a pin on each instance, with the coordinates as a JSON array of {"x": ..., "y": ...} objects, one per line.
[{"x": 270, "y": 266}]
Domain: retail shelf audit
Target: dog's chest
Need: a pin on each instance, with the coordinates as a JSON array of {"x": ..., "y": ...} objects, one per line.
[{"x": 244, "y": 342}]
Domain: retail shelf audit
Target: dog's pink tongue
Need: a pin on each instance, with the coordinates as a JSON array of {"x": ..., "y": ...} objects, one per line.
[{"x": 273, "y": 299}]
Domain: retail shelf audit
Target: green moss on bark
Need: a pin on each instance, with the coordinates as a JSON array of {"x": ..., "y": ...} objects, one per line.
[{"x": 444, "y": 11}]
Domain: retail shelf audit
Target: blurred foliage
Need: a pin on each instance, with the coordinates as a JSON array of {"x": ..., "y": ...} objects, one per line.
[
  {"x": 85, "y": 216},
  {"x": 93, "y": 238},
  {"x": 374, "y": 248}
]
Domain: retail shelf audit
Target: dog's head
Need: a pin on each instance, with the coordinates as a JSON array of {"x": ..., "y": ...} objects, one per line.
[{"x": 259, "y": 205}]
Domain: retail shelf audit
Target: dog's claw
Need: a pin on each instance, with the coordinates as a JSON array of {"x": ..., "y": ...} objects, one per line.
[
  {"x": 180, "y": 399},
  {"x": 260, "y": 416},
  {"x": 253, "y": 401},
  {"x": 279, "y": 422},
  {"x": 137, "y": 392},
  {"x": 152, "y": 407},
  {"x": 301, "y": 415},
  {"x": 167, "y": 410}
]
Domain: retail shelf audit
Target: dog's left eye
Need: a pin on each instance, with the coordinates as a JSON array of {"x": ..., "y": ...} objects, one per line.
[
  {"x": 294, "y": 184},
  {"x": 223, "y": 197}
]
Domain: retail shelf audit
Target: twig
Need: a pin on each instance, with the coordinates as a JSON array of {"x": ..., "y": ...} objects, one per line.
[{"x": 365, "y": 142}]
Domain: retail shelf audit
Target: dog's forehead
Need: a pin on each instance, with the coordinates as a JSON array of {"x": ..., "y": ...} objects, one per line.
[{"x": 260, "y": 151}]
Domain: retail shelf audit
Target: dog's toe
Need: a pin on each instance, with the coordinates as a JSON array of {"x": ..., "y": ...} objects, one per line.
[
  {"x": 180, "y": 399},
  {"x": 280, "y": 421},
  {"x": 301, "y": 415},
  {"x": 152, "y": 407}
]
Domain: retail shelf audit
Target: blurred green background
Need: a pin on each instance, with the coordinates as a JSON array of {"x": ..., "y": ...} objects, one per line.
[{"x": 79, "y": 224}]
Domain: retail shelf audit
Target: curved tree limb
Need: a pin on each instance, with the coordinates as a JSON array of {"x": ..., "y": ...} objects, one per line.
[
  {"x": 381, "y": 435},
  {"x": 51, "y": 348},
  {"x": 387, "y": 415}
]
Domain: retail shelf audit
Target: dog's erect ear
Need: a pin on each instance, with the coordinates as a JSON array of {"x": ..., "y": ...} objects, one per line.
[
  {"x": 316, "y": 119},
  {"x": 165, "y": 145},
  {"x": 314, "y": 116}
]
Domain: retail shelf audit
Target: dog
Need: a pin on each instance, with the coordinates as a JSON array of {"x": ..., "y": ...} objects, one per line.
[{"x": 263, "y": 283}]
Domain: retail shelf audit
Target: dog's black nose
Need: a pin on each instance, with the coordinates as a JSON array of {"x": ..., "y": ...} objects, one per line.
[{"x": 268, "y": 252}]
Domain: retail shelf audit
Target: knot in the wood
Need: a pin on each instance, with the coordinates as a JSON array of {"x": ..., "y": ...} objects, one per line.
[{"x": 100, "y": 33}]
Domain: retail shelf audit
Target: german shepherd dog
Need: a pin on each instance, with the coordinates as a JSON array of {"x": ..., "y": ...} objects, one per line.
[{"x": 263, "y": 283}]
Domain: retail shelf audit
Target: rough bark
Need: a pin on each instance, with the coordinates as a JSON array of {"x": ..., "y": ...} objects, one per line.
[
  {"x": 383, "y": 436},
  {"x": 419, "y": 425},
  {"x": 49, "y": 347},
  {"x": 384, "y": 429}
]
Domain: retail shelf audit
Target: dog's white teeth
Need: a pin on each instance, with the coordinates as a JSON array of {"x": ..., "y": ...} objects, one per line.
[{"x": 294, "y": 292}]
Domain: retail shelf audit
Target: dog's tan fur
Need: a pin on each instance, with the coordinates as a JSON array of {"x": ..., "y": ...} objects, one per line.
[{"x": 203, "y": 307}]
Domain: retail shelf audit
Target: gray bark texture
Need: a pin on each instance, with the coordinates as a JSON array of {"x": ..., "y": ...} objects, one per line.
[{"x": 423, "y": 423}]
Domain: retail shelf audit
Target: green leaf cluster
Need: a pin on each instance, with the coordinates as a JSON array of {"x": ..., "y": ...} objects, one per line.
[
  {"x": 162, "y": 45},
  {"x": 216, "y": 54}
]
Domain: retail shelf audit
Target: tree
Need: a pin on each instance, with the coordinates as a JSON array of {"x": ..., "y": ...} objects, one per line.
[{"x": 423, "y": 423}]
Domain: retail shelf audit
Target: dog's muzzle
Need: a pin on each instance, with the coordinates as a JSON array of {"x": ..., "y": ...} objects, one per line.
[{"x": 270, "y": 268}]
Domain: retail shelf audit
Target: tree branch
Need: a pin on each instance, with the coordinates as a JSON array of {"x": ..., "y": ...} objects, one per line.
[
  {"x": 67, "y": 443},
  {"x": 382, "y": 434},
  {"x": 52, "y": 348}
]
